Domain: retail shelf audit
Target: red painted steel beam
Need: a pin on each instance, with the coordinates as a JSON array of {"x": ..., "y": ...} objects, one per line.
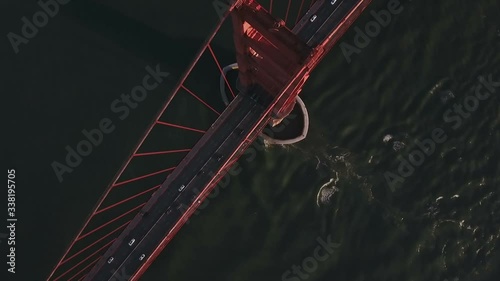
[
  {"x": 268, "y": 53},
  {"x": 273, "y": 29}
]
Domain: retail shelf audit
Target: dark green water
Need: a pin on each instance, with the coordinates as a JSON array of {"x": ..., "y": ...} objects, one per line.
[{"x": 441, "y": 223}]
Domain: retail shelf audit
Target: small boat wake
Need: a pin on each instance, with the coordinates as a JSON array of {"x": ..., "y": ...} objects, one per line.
[{"x": 327, "y": 191}]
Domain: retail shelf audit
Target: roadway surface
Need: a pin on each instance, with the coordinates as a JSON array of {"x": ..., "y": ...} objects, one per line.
[
  {"x": 209, "y": 156},
  {"x": 327, "y": 17},
  {"x": 179, "y": 190}
]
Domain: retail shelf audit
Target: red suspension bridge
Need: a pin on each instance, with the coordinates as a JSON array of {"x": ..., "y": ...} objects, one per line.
[{"x": 140, "y": 212}]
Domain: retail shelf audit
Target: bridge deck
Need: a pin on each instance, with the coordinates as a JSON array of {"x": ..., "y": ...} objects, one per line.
[
  {"x": 328, "y": 17},
  {"x": 242, "y": 120},
  {"x": 180, "y": 189}
]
